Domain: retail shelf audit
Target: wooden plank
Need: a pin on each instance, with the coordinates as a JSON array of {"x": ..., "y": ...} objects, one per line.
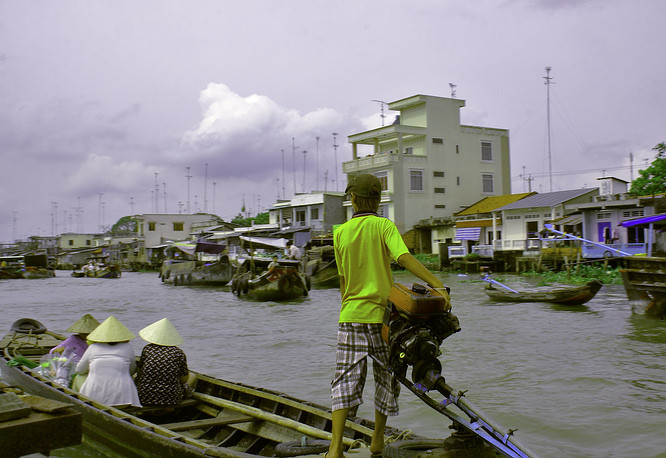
[{"x": 206, "y": 422}]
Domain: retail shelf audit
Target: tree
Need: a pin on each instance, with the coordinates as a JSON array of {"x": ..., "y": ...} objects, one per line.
[
  {"x": 652, "y": 180},
  {"x": 126, "y": 225},
  {"x": 261, "y": 218}
]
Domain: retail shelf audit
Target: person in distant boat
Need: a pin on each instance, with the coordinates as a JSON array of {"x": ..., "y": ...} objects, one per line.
[
  {"x": 364, "y": 247},
  {"x": 273, "y": 264},
  {"x": 292, "y": 251},
  {"x": 110, "y": 362},
  {"x": 162, "y": 373},
  {"x": 75, "y": 345}
]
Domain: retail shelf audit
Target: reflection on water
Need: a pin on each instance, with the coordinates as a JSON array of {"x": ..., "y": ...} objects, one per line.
[{"x": 585, "y": 381}]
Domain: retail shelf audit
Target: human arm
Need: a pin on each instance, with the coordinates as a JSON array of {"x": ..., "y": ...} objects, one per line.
[{"x": 413, "y": 265}]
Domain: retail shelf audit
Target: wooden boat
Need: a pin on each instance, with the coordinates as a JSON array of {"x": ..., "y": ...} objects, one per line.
[
  {"x": 320, "y": 265},
  {"x": 177, "y": 272},
  {"x": 25, "y": 266},
  {"x": 220, "y": 419},
  {"x": 564, "y": 295},
  {"x": 284, "y": 282},
  {"x": 644, "y": 279},
  {"x": 98, "y": 267}
]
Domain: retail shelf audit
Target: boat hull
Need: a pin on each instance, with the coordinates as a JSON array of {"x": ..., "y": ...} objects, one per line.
[
  {"x": 644, "y": 280},
  {"x": 188, "y": 273},
  {"x": 574, "y": 295}
]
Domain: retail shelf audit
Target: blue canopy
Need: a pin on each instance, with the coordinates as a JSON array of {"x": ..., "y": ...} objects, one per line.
[{"x": 659, "y": 218}]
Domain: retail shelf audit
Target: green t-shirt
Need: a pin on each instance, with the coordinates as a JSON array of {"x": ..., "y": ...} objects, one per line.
[{"x": 364, "y": 247}]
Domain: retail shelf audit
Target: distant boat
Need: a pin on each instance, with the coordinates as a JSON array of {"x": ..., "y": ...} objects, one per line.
[
  {"x": 322, "y": 268},
  {"x": 564, "y": 295},
  {"x": 182, "y": 269},
  {"x": 284, "y": 282}
]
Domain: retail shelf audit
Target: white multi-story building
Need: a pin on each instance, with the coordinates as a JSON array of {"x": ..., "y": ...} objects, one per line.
[{"x": 429, "y": 164}]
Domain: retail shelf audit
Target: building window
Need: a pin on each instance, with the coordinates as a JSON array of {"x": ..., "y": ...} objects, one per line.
[
  {"x": 71, "y": 242},
  {"x": 416, "y": 180},
  {"x": 604, "y": 215},
  {"x": 314, "y": 213},
  {"x": 486, "y": 151},
  {"x": 88, "y": 242},
  {"x": 178, "y": 226},
  {"x": 409, "y": 150},
  {"x": 487, "y": 180},
  {"x": 458, "y": 181},
  {"x": 383, "y": 211},
  {"x": 383, "y": 179},
  {"x": 440, "y": 206},
  {"x": 457, "y": 149},
  {"x": 151, "y": 226},
  {"x": 300, "y": 217},
  {"x": 440, "y": 190},
  {"x": 438, "y": 174},
  {"x": 439, "y": 141}
]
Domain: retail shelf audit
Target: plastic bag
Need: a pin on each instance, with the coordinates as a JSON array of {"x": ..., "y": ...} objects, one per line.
[{"x": 57, "y": 368}]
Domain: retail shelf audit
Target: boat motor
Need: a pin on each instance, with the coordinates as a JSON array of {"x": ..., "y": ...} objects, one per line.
[{"x": 416, "y": 322}]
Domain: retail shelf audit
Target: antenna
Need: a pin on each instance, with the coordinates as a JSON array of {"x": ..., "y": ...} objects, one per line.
[
  {"x": 335, "y": 151},
  {"x": 304, "y": 155},
  {"x": 283, "y": 182},
  {"x": 317, "y": 165},
  {"x": 188, "y": 176},
  {"x": 381, "y": 104},
  {"x": 157, "y": 194},
  {"x": 631, "y": 166},
  {"x": 165, "y": 203},
  {"x": 548, "y": 82},
  {"x": 205, "y": 209},
  {"x": 214, "y": 197},
  {"x": 453, "y": 90},
  {"x": 293, "y": 160}
]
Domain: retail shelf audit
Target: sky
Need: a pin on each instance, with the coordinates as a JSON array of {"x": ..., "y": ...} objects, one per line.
[{"x": 114, "y": 108}]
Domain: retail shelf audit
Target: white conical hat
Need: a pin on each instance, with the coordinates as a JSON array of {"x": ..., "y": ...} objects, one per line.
[
  {"x": 111, "y": 330},
  {"x": 161, "y": 333},
  {"x": 84, "y": 325}
]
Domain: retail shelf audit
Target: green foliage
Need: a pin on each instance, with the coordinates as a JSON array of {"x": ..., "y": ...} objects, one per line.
[
  {"x": 126, "y": 225},
  {"x": 426, "y": 258},
  {"x": 472, "y": 257},
  {"x": 579, "y": 275},
  {"x": 260, "y": 218},
  {"x": 653, "y": 179}
]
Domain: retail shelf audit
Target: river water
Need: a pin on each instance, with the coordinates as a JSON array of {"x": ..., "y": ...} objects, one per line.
[{"x": 575, "y": 382}]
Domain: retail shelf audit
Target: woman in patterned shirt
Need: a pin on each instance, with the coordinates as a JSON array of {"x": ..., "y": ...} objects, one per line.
[{"x": 162, "y": 373}]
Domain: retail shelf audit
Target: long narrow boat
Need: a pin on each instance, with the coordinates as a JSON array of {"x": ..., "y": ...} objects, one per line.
[
  {"x": 221, "y": 418},
  {"x": 283, "y": 282},
  {"x": 644, "y": 279},
  {"x": 564, "y": 295}
]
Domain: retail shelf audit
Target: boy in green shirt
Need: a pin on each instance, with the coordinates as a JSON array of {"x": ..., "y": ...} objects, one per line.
[{"x": 364, "y": 248}]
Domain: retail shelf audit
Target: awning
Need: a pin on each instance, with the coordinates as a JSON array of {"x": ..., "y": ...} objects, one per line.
[
  {"x": 273, "y": 242},
  {"x": 468, "y": 233},
  {"x": 659, "y": 219},
  {"x": 568, "y": 220},
  {"x": 476, "y": 223}
]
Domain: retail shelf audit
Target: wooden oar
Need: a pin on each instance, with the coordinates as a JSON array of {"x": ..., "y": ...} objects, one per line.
[
  {"x": 495, "y": 282},
  {"x": 270, "y": 417}
]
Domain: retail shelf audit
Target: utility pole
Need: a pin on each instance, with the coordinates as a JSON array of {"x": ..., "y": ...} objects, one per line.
[
  {"x": 14, "y": 226},
  {"x": 335, "y": 156},
  {"x": 132, "y": 205},
  {"x": 214, "y": 183},
  {"x": 165, "y": 202},
  {"x": 548, "y": 82}
]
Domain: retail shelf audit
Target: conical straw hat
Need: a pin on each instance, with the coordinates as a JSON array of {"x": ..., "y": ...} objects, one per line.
[
  {"x": 111, "y": 330},
  {"x": 161, "y": 333},
  {"x": 85, "y": 325}
]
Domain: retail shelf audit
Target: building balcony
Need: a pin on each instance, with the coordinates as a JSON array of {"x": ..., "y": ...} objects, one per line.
[{"x": 380, "y": 161}]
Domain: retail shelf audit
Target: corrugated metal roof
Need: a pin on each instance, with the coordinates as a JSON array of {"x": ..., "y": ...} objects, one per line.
[
  {"x": 548, "y": 199},
  {"x": 658, "y": 219},
  {"x": 488, "y": 204}
]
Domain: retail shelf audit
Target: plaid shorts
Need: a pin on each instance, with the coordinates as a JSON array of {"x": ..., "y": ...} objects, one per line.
[{"x": 355, "y": 342}]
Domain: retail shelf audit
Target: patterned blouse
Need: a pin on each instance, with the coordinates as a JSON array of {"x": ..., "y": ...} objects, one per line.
[{"x": 158, "y": 375}]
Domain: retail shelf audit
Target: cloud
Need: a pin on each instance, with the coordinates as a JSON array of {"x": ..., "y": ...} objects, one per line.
[{"x": 249, "y": 136}]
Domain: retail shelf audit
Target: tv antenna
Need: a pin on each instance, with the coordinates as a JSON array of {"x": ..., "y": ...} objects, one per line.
[
  {"x": 453, "y": 90},
  {"x": 548, "y": 82},
  {"x": 381, "y": 104}
]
